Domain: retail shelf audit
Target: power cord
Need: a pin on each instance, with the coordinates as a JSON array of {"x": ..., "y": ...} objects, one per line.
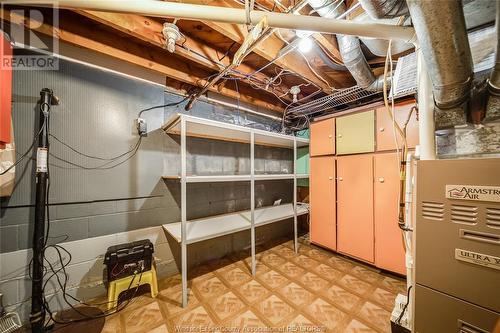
[
  {"x": 23, "y": 156},
  {"x": 405, "y": 307}
]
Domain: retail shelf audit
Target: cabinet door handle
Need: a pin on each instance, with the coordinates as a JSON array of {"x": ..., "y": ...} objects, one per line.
[
  {"x": 341, "y": 179},
  {"x": 340, "y": 135},
  {"x": 381, "y": 129},
  {"x": 329, "y": 136},
  {"x": 330, "y": 178},
  {"x": 381, "y": 179}
]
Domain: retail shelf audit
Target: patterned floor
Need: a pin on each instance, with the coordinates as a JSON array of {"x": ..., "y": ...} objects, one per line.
[{"x": 312, "y": 291}]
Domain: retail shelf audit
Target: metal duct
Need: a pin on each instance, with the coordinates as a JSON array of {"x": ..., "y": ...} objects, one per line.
[
  {"x": 379, "y": 46},
  {"x": 326, "y": 59},
  {"x": 349, "y": 45},
  {"x": 379, "y": 9},
  {"x": 493, "y": 106},
  {"x": 494, "y": 82},
  {"x": 442, "y": 36}
]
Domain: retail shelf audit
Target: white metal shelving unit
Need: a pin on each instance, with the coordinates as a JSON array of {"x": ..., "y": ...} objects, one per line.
[{"x": 189, "y": 232}]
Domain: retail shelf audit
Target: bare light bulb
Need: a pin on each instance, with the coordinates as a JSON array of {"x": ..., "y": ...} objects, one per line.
[
  {"x": 305, "y": 45},
  {"x": 303, "y": 33}
]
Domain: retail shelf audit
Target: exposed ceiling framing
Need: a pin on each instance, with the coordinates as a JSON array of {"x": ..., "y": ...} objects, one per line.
[{"x": 204, "y": 50}]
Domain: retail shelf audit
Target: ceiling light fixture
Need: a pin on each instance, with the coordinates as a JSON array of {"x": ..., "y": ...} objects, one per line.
[
  {"x": 303, "y": 33},
  {"x": 172, "y": 34}
]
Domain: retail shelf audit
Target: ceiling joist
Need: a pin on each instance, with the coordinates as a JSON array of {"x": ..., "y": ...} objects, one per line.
[{"x": 134, "y": 54}]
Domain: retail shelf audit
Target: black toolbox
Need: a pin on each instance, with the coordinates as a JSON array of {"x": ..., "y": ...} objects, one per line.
[{"x": 128, "y": 259}]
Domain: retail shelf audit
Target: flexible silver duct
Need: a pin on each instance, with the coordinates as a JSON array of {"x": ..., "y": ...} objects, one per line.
[
  {"x": 495, "y": 74},
  {"x": 493, "y": 107},
  {"x": 442, "y": 35},
  {"x": 349, "y": 46},
  {"x": 379, "y": 9},
  {"x": 326, "y": 59}
]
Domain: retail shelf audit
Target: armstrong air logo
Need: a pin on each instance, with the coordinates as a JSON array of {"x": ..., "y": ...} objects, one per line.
[
  {"x": 457, "y": 193},
  {"x": 477, "y": 193}
]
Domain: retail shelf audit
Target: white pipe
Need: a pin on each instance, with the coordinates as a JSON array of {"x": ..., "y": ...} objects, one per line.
[
  {"x": 427, "y": 144},
  {"x": 407, "y": 234},
  {"x": 234, "y": 15}
]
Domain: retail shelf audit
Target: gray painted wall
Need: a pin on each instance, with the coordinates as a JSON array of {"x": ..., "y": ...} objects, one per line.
[{"x": 96, "y": 116}]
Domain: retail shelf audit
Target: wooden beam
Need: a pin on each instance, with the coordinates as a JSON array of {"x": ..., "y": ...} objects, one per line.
[
  {"x": 329, "y": 45},
  {"x": 268, "y": 49},
  {"x": 132, "y": 53},
  {"x": 148, "y": 30}
]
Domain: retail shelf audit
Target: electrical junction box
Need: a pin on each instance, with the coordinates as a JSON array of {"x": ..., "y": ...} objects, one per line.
[
  {"x": 457, "y": 263},
  {"x": 142, "y": 126},
  {"x": 401, "y": 306}
]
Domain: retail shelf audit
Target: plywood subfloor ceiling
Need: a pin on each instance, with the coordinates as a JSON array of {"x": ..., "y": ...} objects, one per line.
[{"x": 204, "y": 50}]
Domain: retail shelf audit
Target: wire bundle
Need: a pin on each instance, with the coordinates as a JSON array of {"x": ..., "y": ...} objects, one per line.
[{"x": 57, "y": 270}]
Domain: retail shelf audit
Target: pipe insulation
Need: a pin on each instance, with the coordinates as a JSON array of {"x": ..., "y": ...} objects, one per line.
[
  {"x": 349, "y": 46},
  {"x": 442, "y": 36},
  {"x": 195, "y": 12},
  {"x": 379, "y": 9}
]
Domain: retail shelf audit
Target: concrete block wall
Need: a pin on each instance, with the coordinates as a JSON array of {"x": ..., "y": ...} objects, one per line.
[{"x": 92, "y": 208}]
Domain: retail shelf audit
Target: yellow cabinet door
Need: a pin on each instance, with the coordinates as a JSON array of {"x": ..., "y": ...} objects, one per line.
[{"x": 356, "y": 133}]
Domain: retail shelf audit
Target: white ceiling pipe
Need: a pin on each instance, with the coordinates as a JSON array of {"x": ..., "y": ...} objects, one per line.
[{"x": 235, "y": 15}]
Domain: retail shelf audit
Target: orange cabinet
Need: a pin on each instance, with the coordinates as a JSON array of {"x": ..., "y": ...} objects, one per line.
[
  {"x": 322, "y": 201},
  {"x": 389, "y": 248},
  {"x": 355, "y": 231},
  {"x": 323, "y": 137},
  {"x": 385, "y": 134}
]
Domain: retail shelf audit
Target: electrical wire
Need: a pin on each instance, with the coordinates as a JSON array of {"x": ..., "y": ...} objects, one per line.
[
  {"x": 105, "y": 166},
  {"x": 64, "y": 264},
  {"x": 163, "y": 106},
  {"x": 398, "y": 321},
  {"x": 90, "y": 156},
  {"x": 23, "y": 156}
]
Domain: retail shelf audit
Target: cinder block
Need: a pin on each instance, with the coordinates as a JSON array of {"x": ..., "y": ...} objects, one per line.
[
  {"x": 109, "y": 224},
  {"x": 15, "y": 215},
  {"x": 103, "y": 207},
  {"x": 68, "y": 230},
  {"x": 67, "y": 211},
  {"x": 9, "y": 238},
  {"x": 272, "y": 166},
  {"x": 25, "y": 236},
  {"x": 14, "y": 264},
  {"x": 9, "y": 290}
]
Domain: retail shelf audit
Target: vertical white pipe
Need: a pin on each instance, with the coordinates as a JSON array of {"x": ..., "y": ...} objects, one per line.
[
  {"x": 427, "y": 144},
  {"x": 183, "y": 214},
  {"x": 409, "y": 234},
  {"x": 295, "y": 243},
  {"x": 252, "y": 199},
  {"x": 413, "y": 241}
]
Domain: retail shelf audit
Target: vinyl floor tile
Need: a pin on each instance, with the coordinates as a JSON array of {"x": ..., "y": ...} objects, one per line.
[{"x": 312, "y": 291}]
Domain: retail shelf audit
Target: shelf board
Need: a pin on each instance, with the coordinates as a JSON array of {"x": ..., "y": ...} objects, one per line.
[
  {"x": 211, "y": 179},
  {"x": 211, "y": 129},
  {"x": 220, "y": 225},
  {"x": 274, "y": 176},
  {"x": 235, "y": 178}
]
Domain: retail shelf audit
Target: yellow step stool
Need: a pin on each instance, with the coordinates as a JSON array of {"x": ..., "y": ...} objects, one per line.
[{"x": 116, "y": 287}]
